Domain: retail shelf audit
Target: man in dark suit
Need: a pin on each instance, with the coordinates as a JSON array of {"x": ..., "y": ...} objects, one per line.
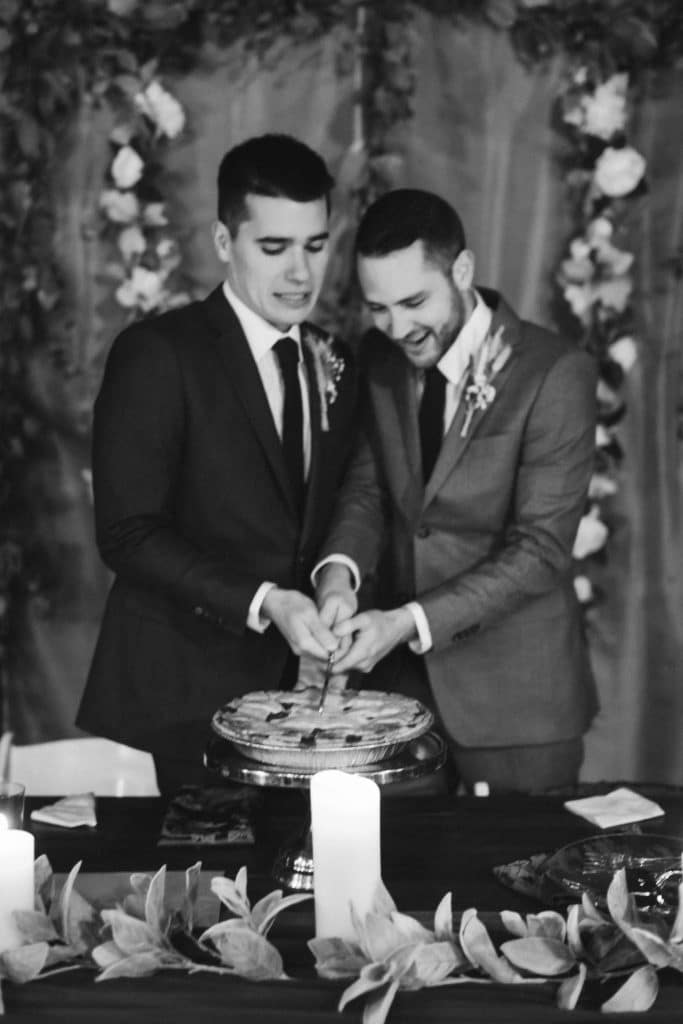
[
  {"x": 476, "y": 458},
  {"x": 220, "y": 434}
]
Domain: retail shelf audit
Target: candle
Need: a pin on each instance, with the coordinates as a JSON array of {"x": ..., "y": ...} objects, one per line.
[
  {"x": 16, "y": 880},
  {"x": 346, "y": 849}
]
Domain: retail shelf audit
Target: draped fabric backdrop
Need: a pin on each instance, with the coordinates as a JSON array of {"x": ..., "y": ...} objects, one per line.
[{"x": 482, "y": 135}]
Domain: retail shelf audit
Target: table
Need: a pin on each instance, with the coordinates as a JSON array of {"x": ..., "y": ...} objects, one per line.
[{"x": 430, "y": 845}]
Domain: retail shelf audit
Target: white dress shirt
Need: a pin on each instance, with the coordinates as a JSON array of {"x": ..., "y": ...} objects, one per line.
[
  {"x": 453, "y": 365},
  {"x": 261, "y": 338}
]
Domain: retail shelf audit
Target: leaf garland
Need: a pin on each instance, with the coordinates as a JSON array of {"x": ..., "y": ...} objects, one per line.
[{"x": 392, "y": 951}]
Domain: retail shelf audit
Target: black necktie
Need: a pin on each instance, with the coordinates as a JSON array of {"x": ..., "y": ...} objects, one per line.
[
  {"x": 431, "y": 418},
  {"x": 287, "y": 352}
]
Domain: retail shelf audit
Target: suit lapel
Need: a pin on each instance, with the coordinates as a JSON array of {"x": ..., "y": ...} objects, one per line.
[
  {"x": 233, "y": 349},
  {"x": 454, "y": 444}
]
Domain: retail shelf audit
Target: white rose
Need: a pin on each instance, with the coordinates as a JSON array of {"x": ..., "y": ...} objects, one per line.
[
  {"x": 590, "y": 537},
  {"x": 618, "y": 171},
  {"x": 601, "y": 486},
  {"x": 618, "y": 260},
  {"x": 599, "y": 230},
  {"x": 614, "y": 294},
  {"x": 605, "y": 110},
  {"x": 578, "y": 271},
  {"x": 580, "y": 299},
  {"x": 579, "y": 249},
  {"x": 583, "y": 589},
  {"x": 144, "y": 289},
  {"x": 121, "y": 207},
  {"x": 127, "y": 167},
  {"x": 602, "y": 436},
  {"x": 131, "y": 242},
  {"x": 154, "y": 215},
  {"x": 163, "y": 109},
  {"x": 624, "y": 351}
]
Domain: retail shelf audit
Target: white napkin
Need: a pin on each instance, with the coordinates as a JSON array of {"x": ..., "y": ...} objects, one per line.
[
  {"x": 620, "y": 807},
  {"x": 68, "y": 812}
]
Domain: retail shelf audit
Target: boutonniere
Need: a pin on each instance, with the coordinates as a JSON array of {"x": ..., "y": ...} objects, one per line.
[
  {"x": 479, "y": 391},
  {"x": 329, "y": 367}
]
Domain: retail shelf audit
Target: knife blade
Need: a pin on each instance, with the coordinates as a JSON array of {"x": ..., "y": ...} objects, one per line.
[{"x": 326, "y": 681}]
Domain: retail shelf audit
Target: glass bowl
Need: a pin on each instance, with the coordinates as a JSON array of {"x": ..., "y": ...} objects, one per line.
[{"x": 652, "y": 864}]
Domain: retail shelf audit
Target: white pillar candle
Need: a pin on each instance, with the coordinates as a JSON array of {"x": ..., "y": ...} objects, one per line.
[
  {"x": 346, "y": 849},
  {"x": 16, "y": 880}
]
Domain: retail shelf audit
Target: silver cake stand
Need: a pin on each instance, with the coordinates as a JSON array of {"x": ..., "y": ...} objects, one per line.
[{"x": 293, "y": 867}]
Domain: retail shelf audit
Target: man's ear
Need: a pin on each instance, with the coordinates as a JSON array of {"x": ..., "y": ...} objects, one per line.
[
  {"x": 462, "y": 271},
  {"x": 221, "y": 240}
]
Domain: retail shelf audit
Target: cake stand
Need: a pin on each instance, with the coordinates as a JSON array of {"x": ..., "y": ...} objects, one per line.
[{"x": 293, "y": 867}]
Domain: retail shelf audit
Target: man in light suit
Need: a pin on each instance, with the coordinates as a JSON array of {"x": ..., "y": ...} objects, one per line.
[
  {"x": 473, "y": 469},
  {"x": 217, "y": 452}
]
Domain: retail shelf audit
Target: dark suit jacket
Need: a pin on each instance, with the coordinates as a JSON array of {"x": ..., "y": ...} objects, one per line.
[
  {"x": 486, "y": 546},
  {"x": 193, "y": 511}
]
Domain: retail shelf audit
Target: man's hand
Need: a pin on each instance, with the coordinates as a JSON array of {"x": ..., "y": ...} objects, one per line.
[
  {"x": 374, "y": 634},
  {"x": 297, "y": 618},
  {"x": 336, "y": 599}
]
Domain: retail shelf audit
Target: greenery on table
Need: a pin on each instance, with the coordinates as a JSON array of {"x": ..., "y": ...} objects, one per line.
[
  {"x": 393, "y": 951},
  {"x": 56, "y": 58}
]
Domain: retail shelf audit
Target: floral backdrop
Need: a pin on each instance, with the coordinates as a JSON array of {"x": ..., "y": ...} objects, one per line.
[{"x": 399, "y": 106}]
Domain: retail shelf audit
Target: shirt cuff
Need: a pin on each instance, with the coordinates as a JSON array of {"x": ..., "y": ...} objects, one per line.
[
  {"x": 340, "y": 560},
  {"x": 424, "y": 633},
  {"x": 255, "y": 620}
]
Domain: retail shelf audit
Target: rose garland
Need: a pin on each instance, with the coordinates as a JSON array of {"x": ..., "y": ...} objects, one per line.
[
  {"x": 391, "y": 952},
  {"x": 596, "y": 278}
]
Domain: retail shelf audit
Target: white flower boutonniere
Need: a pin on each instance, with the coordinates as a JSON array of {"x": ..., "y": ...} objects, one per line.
[
  {"x": 329, "y": 367},
  {"x": 479, "y": 391}
]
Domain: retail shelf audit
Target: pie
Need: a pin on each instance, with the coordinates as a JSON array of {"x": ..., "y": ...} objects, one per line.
[{"x": 355, "y": 726}]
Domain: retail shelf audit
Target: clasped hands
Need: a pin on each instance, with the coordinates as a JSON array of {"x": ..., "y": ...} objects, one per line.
[{"x": 330, "y": 625}]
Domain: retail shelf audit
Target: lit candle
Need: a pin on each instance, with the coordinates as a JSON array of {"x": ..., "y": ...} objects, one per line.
[
  {"x": 16, "y": 880},
  {"x": 346, "y": 849}
]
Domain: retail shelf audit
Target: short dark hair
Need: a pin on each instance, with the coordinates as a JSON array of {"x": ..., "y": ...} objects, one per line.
[
  {"x": 406, "y": 215},
  {"x": 269, "y": 165}
]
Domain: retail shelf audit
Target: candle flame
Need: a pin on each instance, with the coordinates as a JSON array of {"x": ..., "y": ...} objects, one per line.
[{"x": 4, "y": 823}]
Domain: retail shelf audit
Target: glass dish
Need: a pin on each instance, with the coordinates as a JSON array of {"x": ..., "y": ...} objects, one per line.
[{"x": 652, "y": 864}]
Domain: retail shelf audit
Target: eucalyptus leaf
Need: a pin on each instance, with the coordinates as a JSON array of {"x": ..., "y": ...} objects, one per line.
[
  {"x": 25, "y": 962},
  {"x": 129, "y": 933},
  {"x": 514, "y": 923},
  {"x": 548, "y": 924},
  {"x": 337, "y": 958},
  {"x": 620, "y": 902},
  {"x": 249, "y": 954},
  {"x": 655, "y": 950},
  {"x": 107, "y": 953},
  {"x": 78, "y": 918},
  {"x": 372, "y": 976},
  {"x": 216, "y": 931},
  {"x": 43, "y": 877},
  {"x": 59, "y": 953},
  {"x": 443, "y": 919},
  {"x": 590, "y": 910},
  {"x": 433, "y": 962},
  {"x": 570, "y": 990},
  {"x": 231, "y": 896},
  {"x": 637, "y": 994},
  {"x": 261, "y": 909},
  {"x": 378, "y": 1004},
  {"x": 382, "y": 901},
  {"x": 139, "y": 965},
  {"x": 35, "y": 926},
  {"x": 277, "y": 907},
  {"x": 480, "y": 951},
  {"x": 574, "y": 940},
  {"x": 539, "y": 955},
  {"x": 187, "y": 912},
  {"x": 382, "y": 936},
  {"x": 140, "y": 882},
  {"x": 155, "y": 914}
]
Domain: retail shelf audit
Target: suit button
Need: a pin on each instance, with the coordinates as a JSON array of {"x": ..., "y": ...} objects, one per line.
[
  {"x": 422, "y": 532},
  {"x": 199, "y": 611}
]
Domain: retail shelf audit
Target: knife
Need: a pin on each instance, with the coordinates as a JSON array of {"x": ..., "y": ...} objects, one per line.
[{"x": 326, "y": 681}]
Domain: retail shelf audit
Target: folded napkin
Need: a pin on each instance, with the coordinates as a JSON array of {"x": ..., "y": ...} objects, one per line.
[
  {"x": 68, "y": 812},
  {"x": 619, "y": 807}
]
